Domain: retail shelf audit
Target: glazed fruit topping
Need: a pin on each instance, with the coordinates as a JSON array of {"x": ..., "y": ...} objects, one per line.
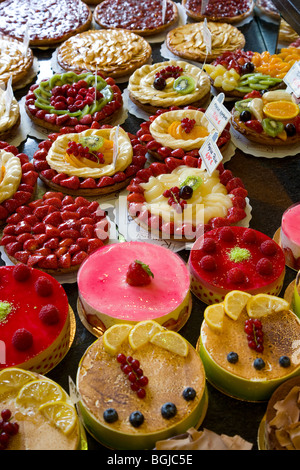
[
  {"x": 173, "y": 71},
  {"x": 139, "y": 274},
  {"x": 253, "y": 328},
  {"x": 131, "y": 368},
  {"x": 188, "y": 124},
  {"x": 235, "y": 60},
  {"x": 8, "y": 428},
  {"x": 78, "y": 150},
  {"x": 22, "y": 339},
  {"x": 49, "y": 314},
  {"x": 174, "y": 199}
]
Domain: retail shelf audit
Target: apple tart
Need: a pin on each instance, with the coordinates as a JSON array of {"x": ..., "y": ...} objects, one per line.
[
  {"x": 170, "y": 83},
  {"x": 14, "y": 61},
  {"x": 229, "y": 11},
  {"x": 187, "y": 41},
  {"x": 113, "y": 52}
]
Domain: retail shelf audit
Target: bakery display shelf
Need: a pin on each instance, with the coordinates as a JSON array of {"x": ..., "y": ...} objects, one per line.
[{"x": 272, "y": 184}]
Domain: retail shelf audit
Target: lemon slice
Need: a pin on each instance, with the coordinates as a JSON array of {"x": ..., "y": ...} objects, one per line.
[
  {"x": 171, "y": 341},
  {"x": 38, "y": 392},
  {"x": 61, "y": 414},
  {"x": 263, "y": 304},
  {"x": 142, "y": 332},
  {"x": 214, "y": 316},
  {"x": 234, "y": 303},
  {"x": 12, "y": 379},
  {"x": 114, "y": 337}
]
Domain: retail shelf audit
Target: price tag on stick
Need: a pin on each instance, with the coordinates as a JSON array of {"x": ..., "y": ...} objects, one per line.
[
  {"x": 116, "y": 146},
  {"x": 217, "y": 114},
  {"x": 164, "y": 10},
  {"x": 292, "y": 79},
  {"x": 210, "y": 153}
]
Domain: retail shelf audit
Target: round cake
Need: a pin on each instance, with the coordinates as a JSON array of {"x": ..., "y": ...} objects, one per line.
[
  {"x": 249, "y": 345},
  {"x": 36, "y": 413},
  {"x": 164, "y": 294},
  {"x": 140, "y": 402},
  {"x": 230, "y": 258},
  {"x": 34, "y": 319},
  {"x": 290, "y": 236}
]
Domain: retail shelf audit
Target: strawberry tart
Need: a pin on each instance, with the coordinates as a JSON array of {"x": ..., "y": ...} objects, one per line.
[
  {"x": 75, "y": 100},
  {"x": 161, "y": 381},
  {"x": 34, "y": 319},
  {"x": 17, "y": 180},
  {"x": 55, "y": 233},
  {"x": 290, "y": 236},
  {"x": 229, "y": 258},
  {"x": 137, "y": 271},
  {"x": 91, "y": 162}
]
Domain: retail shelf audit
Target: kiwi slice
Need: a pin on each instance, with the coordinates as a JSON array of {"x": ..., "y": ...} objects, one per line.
[
  {"x": 272, "y": 127},
  {"x": 242, "y": 105},
  {"x": 184, "y": 85},
  {"x": 193, "y": 181},
  {"x": 93, "y": 142}
]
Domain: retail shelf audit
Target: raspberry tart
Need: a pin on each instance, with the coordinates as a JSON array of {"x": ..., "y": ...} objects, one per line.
[
  {"x": 55, "y": 233},
  {"x": 14, "y": 62},
  {"x": 232, "y": 11},
  {"x": 9, "y": 116},
  {"x": 249, "y": 345},
  {"x": 178, "y": 133},
  {"x": 36, "y": 413},
  {"x": 49, "y": 24},
  {"x": 69, "y": 99},
  {"x": 170, "y": 83},
  {"x": 268, "y": 8},
  {"x": 187, "y": 41},
  {"x": 178, "y": 199},
  {"x": 270, "y": 119},
  {"x": 18, "y": 180},
  {"x": 113, "y": 52},
  {"x": 144, "y": 17},
  {"x": 83, "y": 163},
  {"x": 230, "y": 258},
  {"x": 35, "y": 319},
  {"x": 139, "y": 363},
  {"x": 137, "y": 271},
  {"x": 289, "y": 236}
]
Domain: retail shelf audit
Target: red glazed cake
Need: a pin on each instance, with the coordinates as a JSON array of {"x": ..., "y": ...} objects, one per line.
[
  {"x": 34, "y": 319},
  {"x": 55, "y": 233},
  {"x": 235, "y": 258}
]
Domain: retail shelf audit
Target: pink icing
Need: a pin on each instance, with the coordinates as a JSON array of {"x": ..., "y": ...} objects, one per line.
[
  {"x": 290, "y": 223},
  {"x": 102, "y": 281}
]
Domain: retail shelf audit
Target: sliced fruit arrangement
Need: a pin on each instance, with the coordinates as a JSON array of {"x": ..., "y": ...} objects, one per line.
[
  {"x": 184, "y": 130},
  {"x": 269, "y": 118},
  {"x": 82, "y": 163},
  {"x": 70, "y": 99},
  {"x": 276, "y": 65},
  {"x": 55, "y": 233}
]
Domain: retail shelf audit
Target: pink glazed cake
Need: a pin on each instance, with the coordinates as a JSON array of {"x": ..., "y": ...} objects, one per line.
[
  {"x": 106, "y": 297},
  {"x": 290, "y": 236}
]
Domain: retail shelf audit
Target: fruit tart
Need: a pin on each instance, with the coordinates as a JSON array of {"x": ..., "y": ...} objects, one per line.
[
  {"x": 249, "y": 345},
  {"x": 187, "y": 41},
  {"x": 14, "y": 63},
  {"x": 178, "y": 133},
  {"x": 56, "y": 233},
  {"x": 91, "y": 162},
  {"x": 37, "y": 413},
  {"x": 114, "y": 52},
  {"x": 9, "y": 116},
  {"x": 18, "y": 180},
  {"x": 35, "y": 319},
  {"x": 73, "y": 100},
  {"x": 235, "y": 258},
  {"x": 271, "y": 119},
  {"x": 178, "y": 199},
  {"x": 49, "y": 23},
  {"x": 268, "y": 8},
  {"x": 169, "y": 83},
  {"x": 140, "y": 364},
  {"x": 144, "y": 17},
  {"x": 232, "y": 11},
  {"x": 276, "y": 65},
  {"x": 137, "y": 271}
]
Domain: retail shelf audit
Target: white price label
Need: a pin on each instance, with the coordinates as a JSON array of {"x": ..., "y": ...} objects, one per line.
[
  {"x": 217, "y": 114},
  {"x": 164, "y": 10},
  {"x": 207, "y": 37},
  {"x": 292, "y": 79},
  {"x": 8, "y": 97},
  {"x": 116, "y": 146},
  {"x": 204, "y": 4},
  {"x": 210, "y": 153}
]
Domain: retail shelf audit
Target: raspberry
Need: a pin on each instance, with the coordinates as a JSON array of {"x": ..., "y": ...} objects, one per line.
[
  {"x": 268, "y": 248},
  {"x": 236, "y": 276},
  {"x": 249, "y": 236},
  {"x": 21, "y": 272},
  {"x": 49, "y": 314},
  {"x": 22, "y": 339},
  {"x": 208, "y": 263},
  {"x": 43, "y": 287},
  {"x": 264, "y": 267},
  {"x": 226, "y": 234},
  {"x": 209, "y": 245}
]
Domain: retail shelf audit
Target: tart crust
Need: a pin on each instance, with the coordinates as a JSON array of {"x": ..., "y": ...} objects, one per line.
[
  {"x": 13, "y": 61},
  {"x": 225, "y": 19}
]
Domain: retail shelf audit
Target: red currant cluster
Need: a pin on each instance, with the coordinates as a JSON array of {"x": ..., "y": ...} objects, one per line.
[
  {"x": 73, "y": 97},
  {"x": 78, "y": 150},
  {"x": 235, "y": 60},
  {"x": 255, "y": 335},
  {"x": 174, "y": 199},
  {"x": 7, "y": 428},
  {"x": 170, "y": 71},
  {"x": 131, "y": 368},
  {"x": 188, "y": 124}
]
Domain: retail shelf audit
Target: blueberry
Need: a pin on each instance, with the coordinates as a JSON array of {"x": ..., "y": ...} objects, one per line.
[
  {"x": 259, "y": 363},
  {"x": 110, "y": 415},
  {"x": 245, "y": 116},
  {"x": 284, "y": 361},
  {"x": 136, "y": 419},
  {"x": 232, "y": 357},
  {"x": 290, "y": 129},
  {"x": 189, "y": 393},
  {"x": 168, "y": 410}
]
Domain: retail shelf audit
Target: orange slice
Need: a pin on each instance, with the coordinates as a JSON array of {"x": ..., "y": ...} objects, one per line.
[
  {"x": 175, "y": 130},
  {"x": 281, "y": 110}
]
